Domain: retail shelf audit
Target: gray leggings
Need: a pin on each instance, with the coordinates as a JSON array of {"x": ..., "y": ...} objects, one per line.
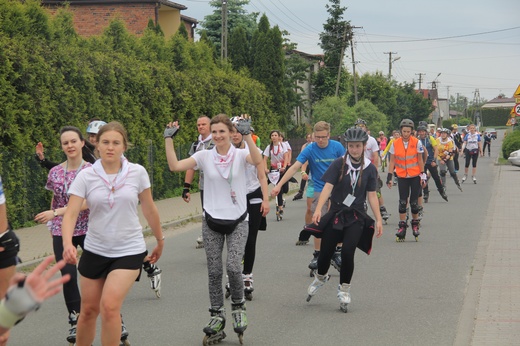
[
  {"x": 213, "y": 245},
  {"x": 448, "y": 166}
]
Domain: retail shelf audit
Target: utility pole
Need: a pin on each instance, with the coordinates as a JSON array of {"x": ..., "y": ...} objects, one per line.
[
  {"x": 341, "y": 58},
  {"x": 420, "y": 79},
  {"x": 354, "y": 64},
  {"x": 390, "y": 61},
  {"x": 477, "y": 119},
  {"x": 224, "y": 34}
]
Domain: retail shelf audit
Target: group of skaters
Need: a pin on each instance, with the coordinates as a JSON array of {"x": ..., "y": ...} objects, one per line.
[{"x": 96, "y": 192}]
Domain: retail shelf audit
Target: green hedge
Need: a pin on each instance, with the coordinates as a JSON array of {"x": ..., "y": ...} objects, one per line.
[
  {"x": 511, "y": 143},
  {"x": 50, "y": 77},
  {"x": 495, "y": 116}
]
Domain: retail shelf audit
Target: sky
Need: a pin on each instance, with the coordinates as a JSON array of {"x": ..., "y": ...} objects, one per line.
[{"x": 473, "y": 45}]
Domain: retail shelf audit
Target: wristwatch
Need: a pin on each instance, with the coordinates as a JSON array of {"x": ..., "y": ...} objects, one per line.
[{"x": 55, "y": 212}]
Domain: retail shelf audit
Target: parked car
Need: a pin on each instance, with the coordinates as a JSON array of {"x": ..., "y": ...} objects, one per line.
[
  {"x": 493, "y": 132},
  {"x": 514, "y": 158}
]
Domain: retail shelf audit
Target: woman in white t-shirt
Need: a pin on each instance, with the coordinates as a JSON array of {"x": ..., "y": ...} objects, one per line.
[
  {"x": 114, "y": 247},
  {"x": 276, "y": 152},
  {"x": 472, "y": 148},
  {"x": 225, "y": 214}
]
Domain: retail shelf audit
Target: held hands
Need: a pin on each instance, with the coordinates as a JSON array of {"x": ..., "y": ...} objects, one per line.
[
  {"x": 70, "y": 254},
  {"x": 389, "y": 180},
  {"x": 265, "y": 208},
  {"x": 424, "y": 178},
  {"x": 171, "y": 129}
]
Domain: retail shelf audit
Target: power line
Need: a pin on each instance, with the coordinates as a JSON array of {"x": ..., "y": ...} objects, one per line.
[{"x": 448, "y": 37}]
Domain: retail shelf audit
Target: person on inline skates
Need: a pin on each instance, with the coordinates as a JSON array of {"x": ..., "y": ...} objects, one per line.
[
  {"x": 303, "y": 182},
  {"x": 472, "y": 148},
  {"x": 406, "y": 156},
  {"x": 59, "y": 180},
  {"x": 447, "y": 150},
  {"x": 276, "y": 151},
  {"x": 112, "y": 188},
  {"x": 225, "y": 215},
  {"x": 318, "y": 155},
  {"x": 430, "y": 144},
  {"x": 349, "y": 182}
]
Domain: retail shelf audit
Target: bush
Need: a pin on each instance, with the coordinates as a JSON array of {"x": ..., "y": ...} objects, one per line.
[{"x": 511, "y": 143}]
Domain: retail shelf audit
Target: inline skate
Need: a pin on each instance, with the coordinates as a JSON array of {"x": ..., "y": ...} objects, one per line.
[
  {"x": 442, "y": 192},
  {"x": 200, "y": 242},
  {"x": 279, "y": 213},
  {"x": 73, "y": 321},
  {"x": 336, "y": 259},
  {"x": 227, "y": 288},
  {"x": 215, "y": 328},
  {"x": 319, "y": 280},
  {"x": 464, "y": 177},
  {"x": 401, "y": 231},
  {"x": 415, "y": 229},
  {"x": 420, "y": 213},
  {"x": 474, "y": 179},
  {"x": 124, "y": 334},
  {"x": 313, "y": 265},
  {"x": 426, "y": 195},
  {"x": 238, "y": 313},
  {"x": 248, "y": 286},
  {"x": 154, "y": 274},
  {"x": 384, "y": 214},
  {"x": 344, "y": 296}
]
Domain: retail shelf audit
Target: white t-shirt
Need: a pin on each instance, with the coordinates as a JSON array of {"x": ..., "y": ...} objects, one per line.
[
  {"x": 217, "y": 190},
  {"x": 472, "y": 140},
  {"x": 113, "y": 232},
  {"x": 276, "y": 155},
  {"x": 287, "y": 146},
  {"x": 2, "y": 196},
  {"x": 371, "y": 148},
  {"x": 252, "y": 175}
]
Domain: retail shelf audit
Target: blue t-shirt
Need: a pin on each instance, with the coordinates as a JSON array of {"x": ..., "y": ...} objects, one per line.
[{"x": 320, "y": 159}]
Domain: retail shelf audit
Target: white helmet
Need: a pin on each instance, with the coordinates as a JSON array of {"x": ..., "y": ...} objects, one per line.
[
  {"x": 235, "y": 120},
  {"x": 94, "y": 126}
]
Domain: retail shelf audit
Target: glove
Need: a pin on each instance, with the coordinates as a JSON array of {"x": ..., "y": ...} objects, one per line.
[
  {"x": 244, "y": 126},
  {"x": 389, "y": 178},
  {"x": 170, "y": 132},
  {"x": 186, "y": 190}
]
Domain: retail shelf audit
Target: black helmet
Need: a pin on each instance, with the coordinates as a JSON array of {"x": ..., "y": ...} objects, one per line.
[
  {"x": 355, "y": 134},
  {"x": 360, "y": 121},
  {"x": 422, "y": 128},
  {"x": 422, "y": 123},
  {"x": 406, "y": 123}
]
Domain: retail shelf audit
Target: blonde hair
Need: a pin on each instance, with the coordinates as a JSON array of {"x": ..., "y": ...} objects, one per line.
[{"x": 322, "y": 126}]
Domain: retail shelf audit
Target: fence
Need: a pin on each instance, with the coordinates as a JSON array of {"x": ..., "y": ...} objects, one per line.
[{"x": 24, "y": 180}]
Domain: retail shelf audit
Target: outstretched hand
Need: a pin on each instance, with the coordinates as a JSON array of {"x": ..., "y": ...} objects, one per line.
[{"x": 171, "y": 130}]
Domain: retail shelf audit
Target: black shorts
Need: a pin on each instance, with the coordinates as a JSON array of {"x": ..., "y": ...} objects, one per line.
[
  {"x": 11, "y": 245},
  {"x": 94, "y": 266}
]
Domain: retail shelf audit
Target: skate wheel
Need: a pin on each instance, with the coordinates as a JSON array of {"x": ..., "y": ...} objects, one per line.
[
  {"x": 386, "y": 222},
  {"x": 125, "y": 343},
  {"x": 199, "y": 246},
  {"x": 311, "y": 274},
  {"x": 308, "y": 298},
  {"x": 158, "y": 293},
  {"x": 249, "y": 296},
  {"x": 241, "y": 338},
  {"x": 227, "y": 294},
  {"x": 416, "y": 239}
]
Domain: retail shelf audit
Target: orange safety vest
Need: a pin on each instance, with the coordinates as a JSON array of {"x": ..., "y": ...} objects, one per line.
[{"x": 406, "y": 166}]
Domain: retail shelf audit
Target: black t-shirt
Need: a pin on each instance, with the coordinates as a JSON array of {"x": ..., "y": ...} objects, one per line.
[{"x": 366, "y": 182}]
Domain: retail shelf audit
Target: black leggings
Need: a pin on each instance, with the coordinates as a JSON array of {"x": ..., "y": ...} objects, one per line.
[
  {"x": 255, "y": 217},
  {"x": 409, "y": 187},
  {"x": 471, "y": 157},
  {"x": 434, "y": 173},
  {"x": 284, "y": 189},
  {"x": 70, "y": 289},
  {"x": 350, "y": 238}
]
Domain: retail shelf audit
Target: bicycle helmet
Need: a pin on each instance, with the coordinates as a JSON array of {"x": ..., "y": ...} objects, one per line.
[
  {"x": 406, "y": 123},
  {"x": 355, "y": 134},
  {"x": 94, "y": 126},
  {"x": 235, "y": 120},
  {"x": 422, "y": 123},
  {"x": 360, "y": 121},
  {"x": 445, "y": 130},
  {"x": 422, "y": 128}
]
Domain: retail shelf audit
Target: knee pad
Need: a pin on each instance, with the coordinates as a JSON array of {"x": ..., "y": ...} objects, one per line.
[
  {"x": 443, "y": 173},
  {"x": 414, "y": 206},
  {"x": 402, "y": 207}
]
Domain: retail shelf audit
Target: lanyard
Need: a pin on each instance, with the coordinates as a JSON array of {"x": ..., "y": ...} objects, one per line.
[
  {"x": 65, "y": 175},
  {"x": 355, "y": 182}
]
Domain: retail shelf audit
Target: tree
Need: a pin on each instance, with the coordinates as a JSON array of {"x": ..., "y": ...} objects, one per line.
[
  {"x": 237, "y": 16},
  {"x": 238, "y": 49},
  {"x": 333, "y": 40}
]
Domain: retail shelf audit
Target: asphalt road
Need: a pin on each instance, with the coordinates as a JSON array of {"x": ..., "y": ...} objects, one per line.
[{"x": 407, "y": 293}]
